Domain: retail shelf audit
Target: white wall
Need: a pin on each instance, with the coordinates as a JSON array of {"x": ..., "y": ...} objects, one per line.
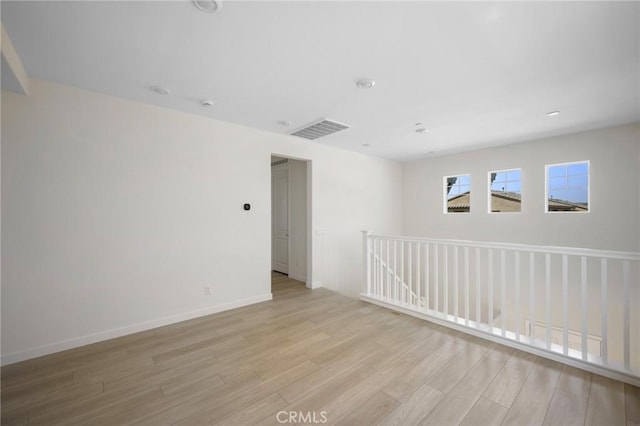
[
  {"x": 612, "y": 224},
  {"x": 116, "y": 214}
]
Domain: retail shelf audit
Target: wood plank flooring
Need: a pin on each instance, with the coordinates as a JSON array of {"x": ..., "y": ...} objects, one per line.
[{"x": 307, "y": 357}]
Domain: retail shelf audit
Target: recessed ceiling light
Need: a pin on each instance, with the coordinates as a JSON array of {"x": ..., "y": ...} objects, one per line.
[
  {"x": 553, "y": 113},
  {"x": 421, "y": 130},
  {"x": 207, "y": 103},
  {"x": 284, "y": 123},
  {"x": 160, "y": 90},
  {"x": 208, "y": 6},
  {"x": 365, "y": 83}
]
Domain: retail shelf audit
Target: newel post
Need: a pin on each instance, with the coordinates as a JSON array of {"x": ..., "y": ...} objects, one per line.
[{"x": 366, "y": 259}]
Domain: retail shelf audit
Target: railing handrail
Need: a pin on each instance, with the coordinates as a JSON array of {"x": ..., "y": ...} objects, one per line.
[{"x": 574, "y": 251}]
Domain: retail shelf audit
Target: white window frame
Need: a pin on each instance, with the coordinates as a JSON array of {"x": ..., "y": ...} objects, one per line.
[
  {"x": 489, "y": 190},
  {"x": 546, "y": 186},
  {"x": 445, "y": 204}
]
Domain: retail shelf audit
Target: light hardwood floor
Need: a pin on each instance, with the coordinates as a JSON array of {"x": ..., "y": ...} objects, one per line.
[{"x": 314, "y": 354}]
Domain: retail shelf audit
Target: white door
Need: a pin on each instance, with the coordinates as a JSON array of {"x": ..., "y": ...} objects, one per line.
[{"x": 280, "y": 218}]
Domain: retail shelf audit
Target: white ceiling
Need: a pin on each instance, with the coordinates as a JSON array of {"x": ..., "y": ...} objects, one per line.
[{"x": 476, "y": 74}]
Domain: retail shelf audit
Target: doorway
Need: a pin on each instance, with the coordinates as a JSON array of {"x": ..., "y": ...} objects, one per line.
[{"x": 290, "y": 213}]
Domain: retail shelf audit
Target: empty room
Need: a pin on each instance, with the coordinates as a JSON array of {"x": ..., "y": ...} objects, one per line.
[{"x": 320, "y": 212}]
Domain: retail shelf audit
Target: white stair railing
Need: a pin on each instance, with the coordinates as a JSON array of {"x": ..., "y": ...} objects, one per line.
[
  {"x": 414, "y": 299},
  {"x": 574, "y": 305}
]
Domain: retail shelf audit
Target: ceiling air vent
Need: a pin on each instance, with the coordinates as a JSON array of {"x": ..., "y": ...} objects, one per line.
[{"x": 319, "y": 129}]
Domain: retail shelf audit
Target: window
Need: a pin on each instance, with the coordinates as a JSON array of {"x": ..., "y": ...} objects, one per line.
[
  {"x": 567, "y": 187},
  {"x": 505, "y": 191},
  {"x": 457, "y": 194}
]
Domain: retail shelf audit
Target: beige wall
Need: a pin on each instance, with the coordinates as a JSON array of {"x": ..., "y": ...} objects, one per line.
[{"x": 611, "y": 224}]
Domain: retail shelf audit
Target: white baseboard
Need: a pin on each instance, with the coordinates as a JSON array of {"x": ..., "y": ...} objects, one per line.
[
  {"x": 315, "y": 284},
  {"x": 130, "y": 329}
]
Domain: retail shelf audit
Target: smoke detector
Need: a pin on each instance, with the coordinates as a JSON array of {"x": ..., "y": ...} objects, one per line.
[
  {"x": 159, "y": 90},
  {"x": 208, "y": 6},
  {"x": 365, "y": 83},
  {"x": 207, "y": 103},
  {"x": 319, "y": 129}
]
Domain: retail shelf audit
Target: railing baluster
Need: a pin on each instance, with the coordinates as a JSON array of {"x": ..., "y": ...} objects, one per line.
[
  {"x": 478, "y": 292},
  {"x": 418, "y": 282},
  {"x": 455, "y": 283},
  {"x": 388, "y": 274},
  {"x": 583, "y": 293},
  {"x": 395, "y": 271},
  {"x": 548, "y": 299},
  {"x": 367, "y": 259},
  {"x": 380, "y": 266},
  {"x": 625, "y": 315},
  {"x": 436, "y": 283},
  {"x": 410, "y": 270},
  {"x": 503, "y": 293},
  {"x": 490, "y": 291},
  {"x": 604, "y": 304},
  {"x": 565, "y": 304},
  {"x": 382, "y": 269},
  {"x": 446, "y": 280},
  {"x": 402, "y": 289},
  {"x": 466, "y": 286},
  {"x": 532, "y": 297},
  {"x": 375, "y": 268},
  {"x": 516, "y": 260},
  {"x": 426, "y": 276}
]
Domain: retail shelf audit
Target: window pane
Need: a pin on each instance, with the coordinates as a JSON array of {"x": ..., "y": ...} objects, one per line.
[
  {"x": 577, "y": 169},
  {"x": 578, "y": 181},
  {"x": 557, "y": 183},
  {"x": 513, "y": 186},
  {"x": 570, "y": 195},
  {"x": 464, "y": 180},
  {"x": 568, "y": 187},
  {"x": 557, "y": 171},
  {"x": 500, "y": 177},
  {"x": 497, "y": 186},
  {"x": 560, "y": 194},
  {"x": 514, "y": 175},
  {"x": 457, "y": 191},
  {"x": 505, "y": 191}
]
